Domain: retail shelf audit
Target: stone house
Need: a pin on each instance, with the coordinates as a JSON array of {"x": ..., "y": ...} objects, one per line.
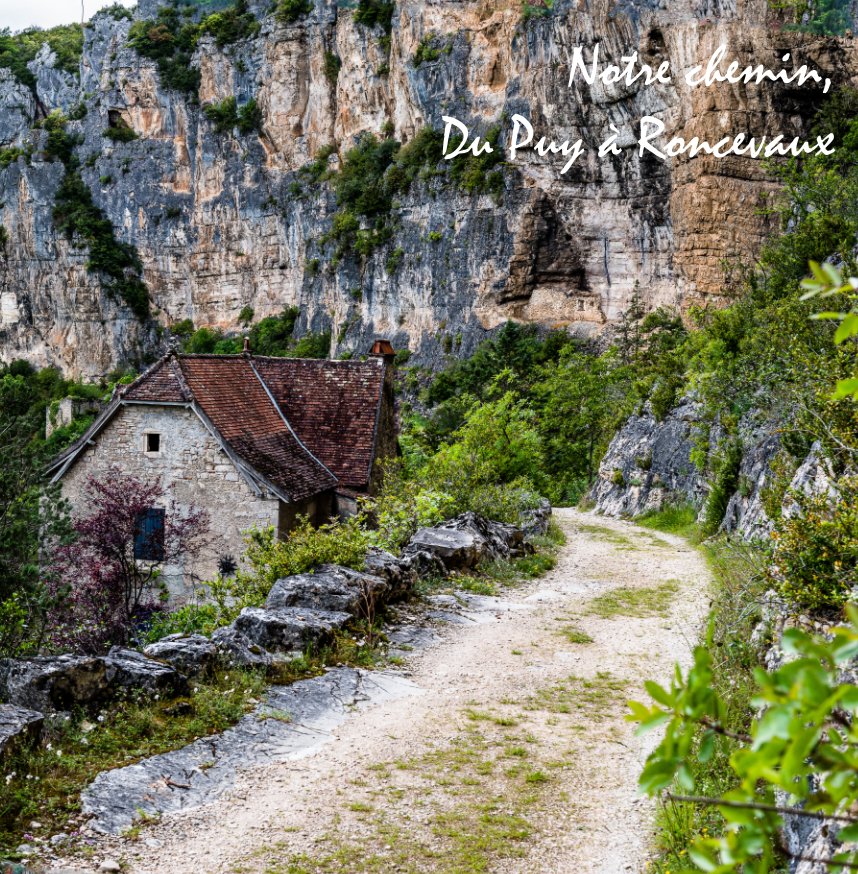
[{"x": 254, "y": 441}]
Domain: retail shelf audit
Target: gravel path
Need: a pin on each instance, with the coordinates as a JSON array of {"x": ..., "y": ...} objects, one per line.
[{"x": 515, "y": 757}]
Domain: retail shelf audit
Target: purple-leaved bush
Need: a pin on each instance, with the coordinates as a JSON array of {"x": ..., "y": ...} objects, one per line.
[{"x": 99, "y": 591}]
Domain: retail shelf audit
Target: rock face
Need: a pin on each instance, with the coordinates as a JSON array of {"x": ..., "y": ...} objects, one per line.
[
  {"x": 649, "y": 463},
  {"x": 465, "y": 541},
  {"x": 53, "y": 683},
  {"x": 236, "y": 649},
  {"x": 58, "y": 683},
  {"x": 223, "y": 220},
  {"x": 192, "y": 655},
  {"x": 290, "y": 629},
  {"x": 329, "y": 588},
  {"x": 18, "y": 727}
]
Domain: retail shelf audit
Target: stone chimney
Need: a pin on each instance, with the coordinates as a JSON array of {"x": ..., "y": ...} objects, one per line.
[{"x": 383, "y": 349}]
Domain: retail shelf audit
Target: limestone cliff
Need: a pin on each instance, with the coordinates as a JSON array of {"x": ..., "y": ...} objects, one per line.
[{"x": 221, "y": 222}]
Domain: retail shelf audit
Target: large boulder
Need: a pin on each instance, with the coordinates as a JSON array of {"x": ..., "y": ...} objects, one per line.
[
  {"x": 52, "y": 683},
  {"x": 400, "y": 574},
  {"x": 238, "y": 650},
  {"x": 288, "y": 629},
  {"x": 465, "y": 541},
  {"x": 130, "y": 671},
  {"x": 192, "y": 655},
  {"x": 330, "y": 588},
  {"x": 537, "y": 520},
  {"x": 456, "y": 549},
  {"x": 19, "y": 727}
]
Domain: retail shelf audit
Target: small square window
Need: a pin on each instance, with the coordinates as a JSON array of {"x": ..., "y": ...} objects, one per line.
[{"x": 153, "y": 443}]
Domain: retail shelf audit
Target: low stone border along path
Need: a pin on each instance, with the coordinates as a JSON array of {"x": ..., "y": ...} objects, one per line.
[{"x": 504, "y": 748}]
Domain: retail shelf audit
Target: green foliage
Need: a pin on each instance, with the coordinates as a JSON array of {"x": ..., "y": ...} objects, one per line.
[
  {"x": 46, "y": 782},
  {"x": 312, "y": 346},
  {"x": 678, "y": 519},
  {"x": 117, "y": 12},
  {"x": 530, "y": 11},
  {"x": 333, "y": 64},
  {"x": 226, "y": 115},
  {"x": 32, "y": 515},
  {"x": 273, "y": 335},
  {"x": 815, "y": 563},
  {"x": 11, "y": 154},
  {"x": 804, "y": 744},
  {"x": 824, "y": 17},
  {"x": 17, "y": 50},
  {"x": 120, "y": 132},
  {"x": 190, "y": 619},
  {"x": 170, "y": 41},
  {"x": 233, "y": 24},
  {"x": 245, "y": 317},
  {"x": 270, "y": 336},
  {"x": 75, "y": 214},
  {"x": 725, "y": 480},
  {"x": 372, "y": 13},
  {"x": 268, "y": 559},
  {"x": 430, "y": 48},
  {"x": 289, "y": 11}
]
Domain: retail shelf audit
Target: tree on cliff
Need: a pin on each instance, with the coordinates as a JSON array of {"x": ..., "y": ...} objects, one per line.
[{"x": 108, "y": 578}]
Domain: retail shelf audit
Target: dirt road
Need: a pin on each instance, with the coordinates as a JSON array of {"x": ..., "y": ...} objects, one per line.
[{"x": 514, "y": 757}]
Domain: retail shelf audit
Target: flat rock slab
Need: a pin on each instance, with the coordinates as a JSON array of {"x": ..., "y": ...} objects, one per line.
[
  {"x": 292, "y": 722},
  {"x": 462, "y": 608}
]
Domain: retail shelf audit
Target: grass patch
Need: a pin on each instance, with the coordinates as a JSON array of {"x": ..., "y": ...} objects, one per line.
[
  {"x": 680, "y": 519},
  {"x": 47, "y": 781},
  {"x": 737, "y": 588},
  {"x": 608, "y": 535},
  {"x": 644, "y": 602},
  {"x": 575, "y": 635},
  {"x": 479, "y": 804}
]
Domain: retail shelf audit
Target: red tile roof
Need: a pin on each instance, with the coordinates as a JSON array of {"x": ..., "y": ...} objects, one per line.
[
  {"x": 333, "y": 407},
  {"x": 234, "y": 399},
  {"x": 303, "y": 425}
]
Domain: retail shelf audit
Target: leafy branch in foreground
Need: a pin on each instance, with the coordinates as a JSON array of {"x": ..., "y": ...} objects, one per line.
[
  {"x": 827, "y": 282},
  {"x": 805, "y": 745}
]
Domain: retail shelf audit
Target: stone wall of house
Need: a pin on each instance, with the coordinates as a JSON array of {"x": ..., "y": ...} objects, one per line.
[{"x": 192, "y": 466}]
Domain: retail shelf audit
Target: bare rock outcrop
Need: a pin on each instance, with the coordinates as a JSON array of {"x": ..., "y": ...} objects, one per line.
[{"x": 648, "y": 464}]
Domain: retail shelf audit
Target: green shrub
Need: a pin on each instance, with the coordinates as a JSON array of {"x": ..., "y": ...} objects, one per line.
[
  {"x": 312, "y": 346},
  {"x": 815, "y": 563},
  {"x": 76, "y": 215},
  {"x": 11, "y": 154},
  {"x": 17, "y": 50},
  {"x": 430, "y": 48},
  {"x": 233, "y": 24},
  {"x": 190, "y": 619},
  {"x": 333, "y": 64},
  {"x": 117, "y": 12},
  {"x": 530, "y": 11},
  {"x": 170, "y": 41},
  {"x": 222, "y": 114},
  {"x": 120, "y": 132},
  {"x": 725, "y": 482},
  {"x": 394, "y": 260},
  {"x": 372, "y": 13},
  {"x": 289, "y": 11},
  {"x": 250, "y": 117},
  {"x": 269, "y": 559}
]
